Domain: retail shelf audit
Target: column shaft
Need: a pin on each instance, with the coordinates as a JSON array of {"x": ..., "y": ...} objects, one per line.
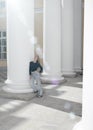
[
  {"x": 52, "y": 39},
  {"x": 78, "y": 35},
  {"x": 20, "y": 48},
  {"x": 87, "y": 115},
  {"x": 67, "y": 38}
]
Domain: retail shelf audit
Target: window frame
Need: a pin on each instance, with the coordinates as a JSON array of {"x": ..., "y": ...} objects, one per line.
[{"x": 2, "y": 46}]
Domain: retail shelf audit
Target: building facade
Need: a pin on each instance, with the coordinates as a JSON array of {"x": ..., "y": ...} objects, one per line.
[
  {"x": 3, "y": 41},
  {"x": 62, "y": 44},
  {"x": 39, "y": 32}
]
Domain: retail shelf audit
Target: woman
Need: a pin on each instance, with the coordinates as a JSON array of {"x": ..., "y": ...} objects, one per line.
[{"x": 35, "y": 69}]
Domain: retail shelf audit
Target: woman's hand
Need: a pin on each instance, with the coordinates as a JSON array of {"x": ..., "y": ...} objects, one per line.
[
  {"x": 30, "y": 77},
  {"x": 38, "y": 69}
]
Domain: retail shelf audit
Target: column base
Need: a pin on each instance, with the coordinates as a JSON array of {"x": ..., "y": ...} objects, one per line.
[
  {"x": 52, "y": 80},
  {"x": 78, "y": 126},
  {"x": 69, "y": 74},
  {"x": 79, "y": 71},
  {"x": 82, "y": 126},
  {"x": 44, "y": 74},
  {"x": 17, "y": 87},
  {"x": 7, "y": 89}
]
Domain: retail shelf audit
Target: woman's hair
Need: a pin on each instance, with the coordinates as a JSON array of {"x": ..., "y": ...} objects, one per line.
[{"x": 38, "y": 59}]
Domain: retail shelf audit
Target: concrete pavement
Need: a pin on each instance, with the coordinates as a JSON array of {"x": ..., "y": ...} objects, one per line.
[{"x": 59, "y": 109}]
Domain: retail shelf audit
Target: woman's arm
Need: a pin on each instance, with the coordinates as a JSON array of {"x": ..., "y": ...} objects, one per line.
[{"x": 30, "y": 68}]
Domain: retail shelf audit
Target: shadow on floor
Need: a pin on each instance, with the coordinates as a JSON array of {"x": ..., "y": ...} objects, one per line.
[{"x": 47, "y": 100}]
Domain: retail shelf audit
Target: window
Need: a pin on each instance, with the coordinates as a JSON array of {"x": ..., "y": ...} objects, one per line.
[
  {"x": 3, "y": 45},
  {"x": 2, "y": 4}
]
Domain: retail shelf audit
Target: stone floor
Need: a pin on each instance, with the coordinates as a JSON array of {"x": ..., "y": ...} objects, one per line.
[{"x": 59, "y": 109}]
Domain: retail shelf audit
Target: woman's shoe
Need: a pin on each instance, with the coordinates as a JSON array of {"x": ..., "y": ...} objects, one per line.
[
  {"x": 39, "y": 95},
  {"x": 36, "y": 91}
]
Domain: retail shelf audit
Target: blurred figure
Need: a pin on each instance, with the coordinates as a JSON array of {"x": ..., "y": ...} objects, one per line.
[{"x": 35, "y": 69}]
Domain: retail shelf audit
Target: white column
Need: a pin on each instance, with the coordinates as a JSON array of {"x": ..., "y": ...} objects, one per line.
[
  {"x": 78, "y": 35},
  {"x": 67, "y": 38},
  {"x": 87, "y": 123},
  {"x": 20, "y": 48},
  {"x": 52, "y": 41}
]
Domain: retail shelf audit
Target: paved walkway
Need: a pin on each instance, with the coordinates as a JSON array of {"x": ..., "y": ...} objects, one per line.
[{"x": 59, "y": 108}]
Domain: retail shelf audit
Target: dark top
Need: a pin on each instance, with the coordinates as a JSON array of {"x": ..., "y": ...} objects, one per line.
[{"x": 34, "y": 66}]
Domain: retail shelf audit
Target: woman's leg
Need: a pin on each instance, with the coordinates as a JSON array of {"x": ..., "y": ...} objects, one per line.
[
  {"x": 39, "y": 87},
  {"x": 33, "y": 83}
]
